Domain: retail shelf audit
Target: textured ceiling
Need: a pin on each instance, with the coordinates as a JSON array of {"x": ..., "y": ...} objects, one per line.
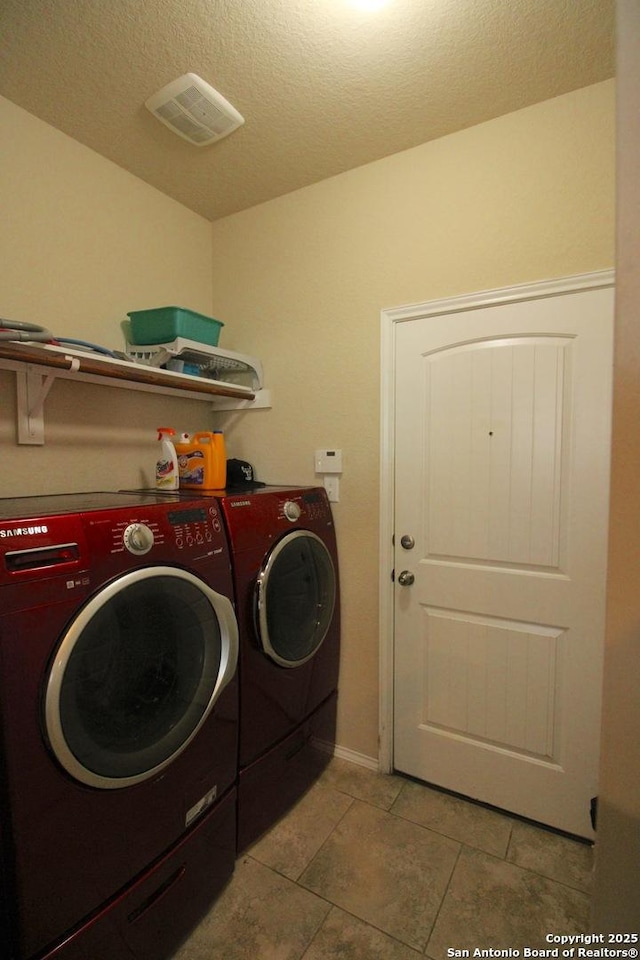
[{"x": 323, "y": 85}]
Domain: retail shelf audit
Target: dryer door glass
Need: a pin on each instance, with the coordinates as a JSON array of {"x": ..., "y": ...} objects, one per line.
[
  {"x": 296, "y": 594},
  {"x": 136, "y": 674}
]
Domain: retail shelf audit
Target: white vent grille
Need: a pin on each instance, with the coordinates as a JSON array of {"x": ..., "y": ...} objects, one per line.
[{"x": 194, "y": 110}]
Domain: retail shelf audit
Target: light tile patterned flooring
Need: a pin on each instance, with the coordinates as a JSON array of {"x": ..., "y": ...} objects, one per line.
[{"x": 374, "y": 867}]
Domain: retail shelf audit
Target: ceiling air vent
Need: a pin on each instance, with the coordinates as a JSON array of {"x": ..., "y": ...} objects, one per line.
[{"x": 194, "y": 110}]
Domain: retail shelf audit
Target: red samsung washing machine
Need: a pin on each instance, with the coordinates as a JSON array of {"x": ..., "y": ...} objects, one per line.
[
  {"x": 285, "y": 571},
  {"x": 118, "y": 724}
]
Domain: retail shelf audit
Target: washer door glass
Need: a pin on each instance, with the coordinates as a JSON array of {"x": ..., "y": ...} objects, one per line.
[
  {"x": 136, "y": 674},
  {"x": 296, "y": 594}
]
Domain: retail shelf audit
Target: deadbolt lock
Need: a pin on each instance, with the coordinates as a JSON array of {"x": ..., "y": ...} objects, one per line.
[{"x": 408, "y": 542}]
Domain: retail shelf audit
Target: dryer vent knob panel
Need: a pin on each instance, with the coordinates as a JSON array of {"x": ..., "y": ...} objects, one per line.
[
  {"x": 292, "y": 510},
  {"x": 138, "y": 539}
]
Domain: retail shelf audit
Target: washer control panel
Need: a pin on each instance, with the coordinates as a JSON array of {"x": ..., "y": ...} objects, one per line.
[
  {"x": 81, "y": 538},
  {"x": 138, "y": 538},
  {"x": 195, "y": 525},
  {"x": 184, "y": 527}
]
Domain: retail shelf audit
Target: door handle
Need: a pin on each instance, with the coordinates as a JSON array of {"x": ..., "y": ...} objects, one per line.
[{"x": 406, "y": 578}]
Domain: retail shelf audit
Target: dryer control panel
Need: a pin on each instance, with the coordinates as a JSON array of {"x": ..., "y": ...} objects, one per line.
[
  {"x": 256, "y": 519},
  {"x": 292, "y": 510}
]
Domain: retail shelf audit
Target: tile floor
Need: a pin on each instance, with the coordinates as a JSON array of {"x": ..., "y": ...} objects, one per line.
[{"x": 374, "y": 867}]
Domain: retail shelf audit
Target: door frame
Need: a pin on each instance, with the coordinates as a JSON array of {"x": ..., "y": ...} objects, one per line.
[{"x": 389, "y": 319}]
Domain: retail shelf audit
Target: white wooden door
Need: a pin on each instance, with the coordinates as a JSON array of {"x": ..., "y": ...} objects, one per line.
[{"x": 502, "y": 466}]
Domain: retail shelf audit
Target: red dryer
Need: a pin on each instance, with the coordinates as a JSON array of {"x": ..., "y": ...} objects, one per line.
[
  {"x": 285, "y": 570},
  {"x": 118, "y": 724}
]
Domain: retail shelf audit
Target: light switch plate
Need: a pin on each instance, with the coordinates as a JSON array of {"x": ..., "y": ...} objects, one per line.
[{"x": 332, "y": 486}]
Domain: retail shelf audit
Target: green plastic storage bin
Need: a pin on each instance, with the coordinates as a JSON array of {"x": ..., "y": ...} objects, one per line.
[{"x": 164, "y": 324}]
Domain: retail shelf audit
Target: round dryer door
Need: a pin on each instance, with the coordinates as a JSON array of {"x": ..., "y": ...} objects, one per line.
[
  {"x": 136, "y": 674},
  {"x": 296, "y": 595}
]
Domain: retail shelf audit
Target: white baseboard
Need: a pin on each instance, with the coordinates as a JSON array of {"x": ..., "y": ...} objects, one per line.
[
  {"x": 343, "y": 753},
  {"x": 353, "y": 756}
]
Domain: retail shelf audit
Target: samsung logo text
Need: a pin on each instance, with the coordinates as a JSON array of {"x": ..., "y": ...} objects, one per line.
[{"x": 24, "y": 531}]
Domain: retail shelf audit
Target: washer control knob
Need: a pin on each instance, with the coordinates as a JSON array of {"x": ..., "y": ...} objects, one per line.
[
  {"x": 292, "y": 510},
  {"x": 138, "y": 538}
]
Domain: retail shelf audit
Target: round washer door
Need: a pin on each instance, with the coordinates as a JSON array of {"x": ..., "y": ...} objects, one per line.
[
  {"x": 295, "y": 598},
  {"x": 136, "y": 674}
]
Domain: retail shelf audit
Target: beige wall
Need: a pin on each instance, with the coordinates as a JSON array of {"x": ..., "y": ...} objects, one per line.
[
  {"x": 303, "y": 280},
  {"x": 300, "y": 282},
  {"x": 616, "y": 900},
  {"x": 82, "y": 243}
]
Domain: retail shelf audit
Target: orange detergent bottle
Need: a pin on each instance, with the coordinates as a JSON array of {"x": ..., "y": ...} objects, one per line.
[{"x": 202, "y": 461}]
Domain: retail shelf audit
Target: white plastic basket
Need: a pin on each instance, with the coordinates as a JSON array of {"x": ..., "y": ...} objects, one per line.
[{"x": 211, "y": 362}]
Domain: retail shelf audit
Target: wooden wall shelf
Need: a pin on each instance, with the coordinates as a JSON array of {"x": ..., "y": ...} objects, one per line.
[{"x": 37, "y": 368}]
